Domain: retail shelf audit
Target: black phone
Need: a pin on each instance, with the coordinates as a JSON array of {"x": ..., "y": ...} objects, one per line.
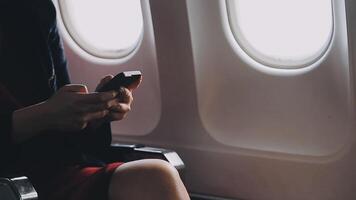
[{"x": 123, "y": 79}]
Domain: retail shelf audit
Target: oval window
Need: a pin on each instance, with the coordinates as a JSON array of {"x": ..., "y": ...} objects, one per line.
[
  {"x": 104, "y": 28},
  {"x": 282, "y": 33}
]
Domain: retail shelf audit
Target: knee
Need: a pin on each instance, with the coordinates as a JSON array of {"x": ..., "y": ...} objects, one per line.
[
  {"x": 148, "y": 177},
  {"x": 150, "y": 170},
  {"x": 159, "y": 170}
]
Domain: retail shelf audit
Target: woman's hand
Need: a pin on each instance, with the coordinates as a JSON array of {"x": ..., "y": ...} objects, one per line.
[
  {"x": 120, "y": 110},
  {"x": 70, "y": 109},
  {"x": 122, "y": 107}
]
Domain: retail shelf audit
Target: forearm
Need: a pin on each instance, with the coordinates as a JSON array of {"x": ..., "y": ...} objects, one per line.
[{"x": 29, "y": 122}]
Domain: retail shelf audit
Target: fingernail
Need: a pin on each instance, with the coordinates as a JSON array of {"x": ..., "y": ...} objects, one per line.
[
  {"x": 114, "y": 94},
  {"x": 122, "y": 90}
]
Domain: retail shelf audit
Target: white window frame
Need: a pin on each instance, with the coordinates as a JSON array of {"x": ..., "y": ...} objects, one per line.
[
  {"x": 92, "y": 49},
  {"x": 269, "y": 61}
]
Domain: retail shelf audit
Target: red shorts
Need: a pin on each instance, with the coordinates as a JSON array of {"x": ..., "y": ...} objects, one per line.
[{"x": 73, "y": 183}]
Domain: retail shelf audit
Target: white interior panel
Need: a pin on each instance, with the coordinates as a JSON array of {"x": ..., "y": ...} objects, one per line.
[{"x": 245, "y": 104}]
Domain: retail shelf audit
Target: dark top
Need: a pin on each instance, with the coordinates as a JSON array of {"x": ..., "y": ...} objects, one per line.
[{"x": 32, "y": 67}]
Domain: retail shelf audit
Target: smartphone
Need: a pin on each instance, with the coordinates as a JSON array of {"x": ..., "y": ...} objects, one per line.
[{"x": 123, "y": 79}]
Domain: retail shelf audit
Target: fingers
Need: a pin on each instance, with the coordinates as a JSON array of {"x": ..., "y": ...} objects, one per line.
[
  {"x": 113, "y": 111},
  {"x": 95, "y": 115},
  {"x": 125, "y": 95},
  {"x": 108, "y": 106},
  {"x": 103, "y": 81},
  {"x": 98, "y": 97},
  {"x": 77, "y": 88},
  {"x": 83, "y": 121},
  {"x": 121, "y": 108},
  {"x": 116, "y": 113},
  {"x": 119, "y": 113},
  {"x": 85, "y": 108},
  {"x": 93, "y": 102}
]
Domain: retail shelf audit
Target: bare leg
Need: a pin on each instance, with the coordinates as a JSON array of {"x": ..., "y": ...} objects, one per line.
[{"x": 147, "y": 179}]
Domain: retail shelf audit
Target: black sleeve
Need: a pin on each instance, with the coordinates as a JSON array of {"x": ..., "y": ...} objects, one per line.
[
  {"x": 58, "y": 57},
  {"x": 5, "y": 130},
  {"x": 8, "y": 105}
]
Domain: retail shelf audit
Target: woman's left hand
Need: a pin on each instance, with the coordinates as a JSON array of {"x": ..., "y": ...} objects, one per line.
[{"x": 121, "y": 108}]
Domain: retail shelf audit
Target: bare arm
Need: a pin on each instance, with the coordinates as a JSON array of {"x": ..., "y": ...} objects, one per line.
[{"x": 69, "y": 110}]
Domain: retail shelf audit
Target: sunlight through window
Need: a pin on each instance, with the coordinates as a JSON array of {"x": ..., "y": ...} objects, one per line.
[
  {"x": 282, "y": 33},
  {"x": 104, "y": 28}
]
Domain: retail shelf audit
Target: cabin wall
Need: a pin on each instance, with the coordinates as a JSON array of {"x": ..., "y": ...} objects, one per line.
[{"x": 185, "y": 56}]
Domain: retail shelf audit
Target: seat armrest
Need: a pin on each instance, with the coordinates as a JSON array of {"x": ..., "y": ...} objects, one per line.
[
  {"x": 131, "y": 152},
  {"x": 17, "y": 189}
]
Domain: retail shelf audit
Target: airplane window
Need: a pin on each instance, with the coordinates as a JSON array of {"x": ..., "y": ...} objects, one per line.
[
  {"x": 104, "y": 28},
  {"x": 282, "y": 33}
]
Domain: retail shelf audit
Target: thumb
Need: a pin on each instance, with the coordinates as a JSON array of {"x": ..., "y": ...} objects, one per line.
[
  {"x": 103, "y": 81},
  {"x": 135, "y": 84}
]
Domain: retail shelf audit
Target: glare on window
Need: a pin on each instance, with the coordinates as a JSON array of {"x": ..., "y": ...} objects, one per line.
[
  {"x": 282, "y": 33},
  {"x": 107, "y": 28}
]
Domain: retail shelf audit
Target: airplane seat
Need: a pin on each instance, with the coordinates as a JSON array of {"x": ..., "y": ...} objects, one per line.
[{"x": 20, "y": 188}]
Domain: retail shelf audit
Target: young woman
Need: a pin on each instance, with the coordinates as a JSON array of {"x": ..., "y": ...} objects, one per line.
[{"x": 53, "y": 131}]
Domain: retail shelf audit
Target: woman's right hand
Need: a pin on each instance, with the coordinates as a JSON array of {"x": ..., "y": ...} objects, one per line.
[
  {"x": 72, "y": 107},
  {"x": 69, "y": 110}
]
